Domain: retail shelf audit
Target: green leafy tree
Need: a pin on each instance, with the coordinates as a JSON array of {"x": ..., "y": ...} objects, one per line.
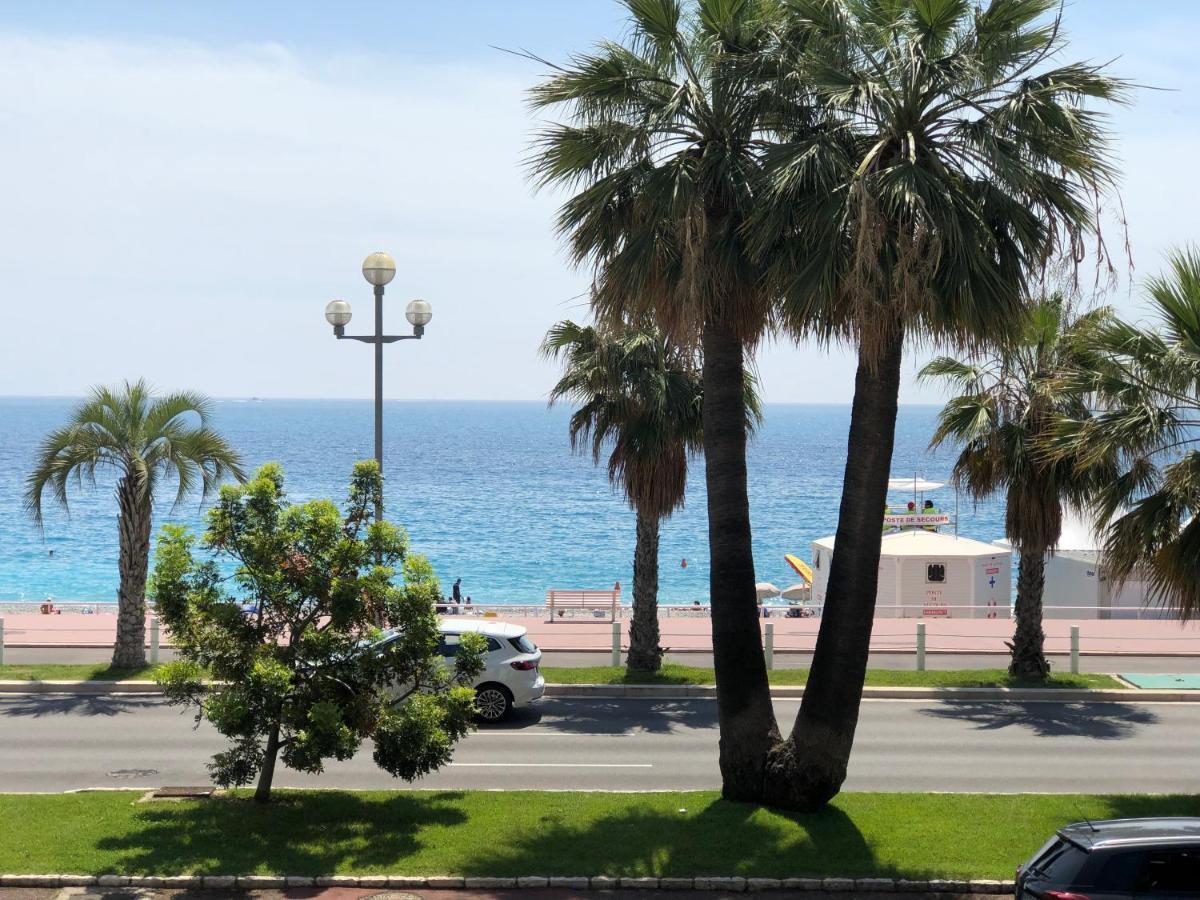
[
  {"x": 952, "y": 158},
  {"x": 640, "y": 397},
  {"x": 1006, "y": 407},
  {"x": 660, "y": 142},
  {"x": 146, "y": 440},
  {"x": 1144, "y": 383},
  {"x": 292, "y": 666}
]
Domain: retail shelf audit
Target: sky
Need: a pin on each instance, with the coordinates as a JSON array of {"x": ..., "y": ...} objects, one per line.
[{"x": 185, "y": 186}]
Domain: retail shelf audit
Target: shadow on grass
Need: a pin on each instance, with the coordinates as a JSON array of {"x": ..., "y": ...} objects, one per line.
[
  {"x": 1102, "y": 721},
  {"x": 40, "y": 705},
  {"x": 305, "y": 833},
  {"x": 718, "y": 838},
  {"x": 618, "y": 716}
]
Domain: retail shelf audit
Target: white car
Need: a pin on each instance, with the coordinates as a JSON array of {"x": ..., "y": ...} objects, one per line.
[{"x": 510, "y": 677}]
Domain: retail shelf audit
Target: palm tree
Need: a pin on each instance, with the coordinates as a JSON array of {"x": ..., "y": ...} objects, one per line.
[
  {"x": 1145, "y": 385},
  {"x": 145, "y": 440},
  {"x": 660, "y": 141},
  {"x": 951, "y": 161},
  {"x": 1007, "y": 406},
  {"x": 640, "y": 395}
]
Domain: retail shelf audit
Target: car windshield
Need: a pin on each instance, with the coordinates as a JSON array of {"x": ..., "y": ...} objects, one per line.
[
  {"x": 1060, "y": 862},
  {"x": 523, "y": 644}
]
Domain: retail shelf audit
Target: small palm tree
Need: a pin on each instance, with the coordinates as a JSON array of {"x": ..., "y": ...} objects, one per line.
[
  {"x": 1007, "y": 406},
  {"x": 145, "y": 440},
  {"x": 1145, "y": 385},
  {"x": 640, "y": 397}
]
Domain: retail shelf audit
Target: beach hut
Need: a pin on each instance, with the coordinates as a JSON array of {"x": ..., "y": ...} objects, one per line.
[
  {"x": 925, "y": 573},
  {"x": 1078, "y": 585}
]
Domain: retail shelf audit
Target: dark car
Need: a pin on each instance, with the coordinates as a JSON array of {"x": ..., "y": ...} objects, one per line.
[{"x": 1116, "y": 859}]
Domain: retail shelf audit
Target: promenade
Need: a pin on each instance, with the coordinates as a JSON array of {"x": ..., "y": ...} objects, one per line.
[{"x": 685, "y": 634}]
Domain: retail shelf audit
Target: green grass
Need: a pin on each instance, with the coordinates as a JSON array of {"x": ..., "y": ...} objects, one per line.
[
  {"x": 532, "y": 833},
  {"x": 74, "y": 672},
  {"x": 672, "y": 673}
]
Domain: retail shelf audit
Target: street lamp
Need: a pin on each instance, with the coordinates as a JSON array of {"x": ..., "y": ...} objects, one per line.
[{"x": 379, "y": 269}]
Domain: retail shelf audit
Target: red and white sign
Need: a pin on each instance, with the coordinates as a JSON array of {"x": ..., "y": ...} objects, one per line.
[{"x": 992, "y": 570}]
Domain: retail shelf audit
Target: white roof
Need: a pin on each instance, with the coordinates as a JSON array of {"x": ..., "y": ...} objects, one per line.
[
  {"x": 490, "y": 627},
  {"x": 927, "y": 543},
  {"x": 914, "y": 484}
]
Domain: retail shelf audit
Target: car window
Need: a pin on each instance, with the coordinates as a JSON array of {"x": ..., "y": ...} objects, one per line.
[
  {"x": 448, "y": 645},
  {"x": 1171, "y": 871},
  {"x": 1112, "y": 872},
  {"x": 523, "y": 644},
  {"x": 1060, "y": 862},
  {"x": 493, "y": 645}
]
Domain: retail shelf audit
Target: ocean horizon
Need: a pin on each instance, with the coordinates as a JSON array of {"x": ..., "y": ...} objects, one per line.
[{"x": 488, "y": 490}]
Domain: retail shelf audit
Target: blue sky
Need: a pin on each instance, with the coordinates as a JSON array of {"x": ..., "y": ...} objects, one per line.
[{"x": 187, "y": 184}]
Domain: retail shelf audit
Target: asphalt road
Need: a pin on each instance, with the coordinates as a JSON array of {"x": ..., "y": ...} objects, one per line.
[
  {"x": 1126, "y": 663},
  {"x": 61, "y": 742}
]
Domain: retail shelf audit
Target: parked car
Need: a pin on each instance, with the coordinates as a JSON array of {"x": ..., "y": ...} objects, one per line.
[
  {"x": 510, "y": 678},
  {"x": 1116, "y": 859}
]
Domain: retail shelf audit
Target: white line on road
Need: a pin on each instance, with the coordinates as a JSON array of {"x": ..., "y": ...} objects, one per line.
[{"x": 554, "y": 765}]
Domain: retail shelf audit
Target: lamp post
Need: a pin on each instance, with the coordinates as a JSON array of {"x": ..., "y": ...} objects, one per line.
[{"x": 379, "y": 269}]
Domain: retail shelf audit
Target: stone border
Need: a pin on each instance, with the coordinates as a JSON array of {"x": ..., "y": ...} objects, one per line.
[
  {"x": 578, "y": 883},
  {"x": 708, "y": 692}
]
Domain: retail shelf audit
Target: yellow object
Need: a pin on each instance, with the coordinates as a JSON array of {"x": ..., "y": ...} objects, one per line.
[
  {"x": 490, "y": 614},
  {"x": 800, "y": 566}
]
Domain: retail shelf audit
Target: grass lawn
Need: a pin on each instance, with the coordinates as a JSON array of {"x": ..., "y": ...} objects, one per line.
[
  {"x": 672, "y": 673},
  {"x": 74, "y": 672},
  {"x": 515, "y": 833}
]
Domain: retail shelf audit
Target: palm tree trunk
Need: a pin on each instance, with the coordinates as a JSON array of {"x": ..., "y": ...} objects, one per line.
[
  {"x": 262, "y": 793},
  {"x": 744, "y": 713},
  {"x": 1028, "y": 643},
  {"x": 129, "y": 651},
  {"x": 807, "y": 770},
  {"x": 644, "y": 653}
]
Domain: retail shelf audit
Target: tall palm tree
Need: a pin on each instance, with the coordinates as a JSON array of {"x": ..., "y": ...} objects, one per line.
[
  {"x": 1006, "y": 408},
  {"x": 145, "y": 440},
  {"x": 1144, "y": 382},
  {"x": 661, "y": 143},
  {"x": 952, "y": 160}
]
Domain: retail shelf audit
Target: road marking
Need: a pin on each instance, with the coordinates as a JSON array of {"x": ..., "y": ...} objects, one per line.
[{"x": 554, "y": 765}]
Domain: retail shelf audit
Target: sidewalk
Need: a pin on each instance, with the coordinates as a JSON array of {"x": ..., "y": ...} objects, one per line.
[{"x": 1146, "y": 637}]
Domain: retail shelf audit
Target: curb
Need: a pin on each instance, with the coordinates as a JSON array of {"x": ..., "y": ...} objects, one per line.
[
  {"x": 708, "y": 692},
  {"x": 594, "y": 883}
]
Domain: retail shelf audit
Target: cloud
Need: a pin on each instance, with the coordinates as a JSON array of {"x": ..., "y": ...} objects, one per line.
[{"x": 184, "y": 211}]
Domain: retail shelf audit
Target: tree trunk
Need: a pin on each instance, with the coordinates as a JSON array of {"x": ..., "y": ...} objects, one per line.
[
  {"x": 744, "y": 713},
  {"x": 645, "y": 655},
  {"x": 262, "y": 793},
  {"x": 1028, "y": 643},
  {"x": 129, "y": 651},
  {"x": 808, "y": 769}
]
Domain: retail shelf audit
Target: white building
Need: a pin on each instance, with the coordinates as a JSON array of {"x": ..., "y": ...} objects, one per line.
[
  {"x": 1078, "y": 585},
  {"x": 925, "y": 573}
]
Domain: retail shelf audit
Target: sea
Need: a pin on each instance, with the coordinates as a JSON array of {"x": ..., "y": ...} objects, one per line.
[{"x": 490, "y": 492}]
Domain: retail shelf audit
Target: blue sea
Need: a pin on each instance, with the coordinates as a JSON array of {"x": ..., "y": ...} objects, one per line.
[{"x": 490, "y": 492}]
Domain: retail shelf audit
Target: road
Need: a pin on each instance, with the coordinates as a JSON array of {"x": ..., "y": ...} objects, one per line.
[
  {"x": 894, "y": 660},
  {"x": 61, "y": 742}
]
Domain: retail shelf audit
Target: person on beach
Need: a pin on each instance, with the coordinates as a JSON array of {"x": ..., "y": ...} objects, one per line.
[{"x": 456, "y": 594}]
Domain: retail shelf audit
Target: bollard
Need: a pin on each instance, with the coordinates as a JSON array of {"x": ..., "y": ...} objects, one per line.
[
  {"x": 1074, "y": 649},
  {"x": 616, "y": 645},
  {"x": 1, "y": 640},
  {"x": 920, "y": 646},
  {"x": 154, "y": 640},
  {"x": 769, "y": 645}
]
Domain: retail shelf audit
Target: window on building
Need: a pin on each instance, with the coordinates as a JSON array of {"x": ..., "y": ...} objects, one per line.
[{"x": 935, "y": 573}]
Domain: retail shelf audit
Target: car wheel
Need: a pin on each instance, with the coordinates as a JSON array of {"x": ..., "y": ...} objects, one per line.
[{"x": 493, "y": 703}]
